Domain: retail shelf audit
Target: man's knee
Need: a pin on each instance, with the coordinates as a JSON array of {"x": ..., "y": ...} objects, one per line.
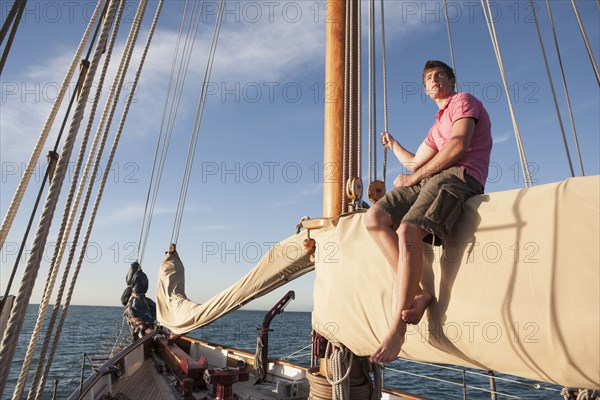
[
  {"x": 376, "y": 217},
  {"x": 410, "y": 232}
]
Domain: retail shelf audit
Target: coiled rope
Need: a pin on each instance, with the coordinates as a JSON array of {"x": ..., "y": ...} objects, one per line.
[
  {"x": 17, "y": 315},
  {"x": 120, "y": 79},
  {"x": 340, "y": 363},
  {"x": 70, "y": 209}
]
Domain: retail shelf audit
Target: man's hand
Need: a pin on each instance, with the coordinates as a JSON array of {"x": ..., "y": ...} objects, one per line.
[
  {"x": 406, "y": 180},
  {"x": 387, "y": 140}
]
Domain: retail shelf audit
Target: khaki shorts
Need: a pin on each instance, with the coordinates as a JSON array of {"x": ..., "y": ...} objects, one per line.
[{"x": 434, "y": 204}]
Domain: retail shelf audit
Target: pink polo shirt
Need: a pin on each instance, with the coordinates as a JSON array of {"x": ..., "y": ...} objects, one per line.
[{"x": 476, "y": 159}]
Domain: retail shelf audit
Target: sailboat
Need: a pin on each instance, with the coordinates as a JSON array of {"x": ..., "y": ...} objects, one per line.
[{"x": 493, "y": 312}]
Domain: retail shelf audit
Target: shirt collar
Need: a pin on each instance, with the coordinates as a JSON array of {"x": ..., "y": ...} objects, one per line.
[{"x": 441, "y": 110}]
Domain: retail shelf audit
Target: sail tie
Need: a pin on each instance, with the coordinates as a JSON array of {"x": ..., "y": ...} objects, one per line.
[{"x": 340, "y": 364}]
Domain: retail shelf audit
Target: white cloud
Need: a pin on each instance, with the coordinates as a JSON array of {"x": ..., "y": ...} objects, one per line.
[{"x": 502, "y": 137}]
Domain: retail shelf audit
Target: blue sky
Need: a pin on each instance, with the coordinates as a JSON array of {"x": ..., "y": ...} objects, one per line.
[{"x": 258, "y": 165}]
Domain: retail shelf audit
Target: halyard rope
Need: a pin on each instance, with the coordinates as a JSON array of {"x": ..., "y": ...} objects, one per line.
[
  {"x": 120, "y": 79},
  {"x": 35, "y": 155},
  {"x": 8, "y": 347},
  {"x": 70, "y": 209}
]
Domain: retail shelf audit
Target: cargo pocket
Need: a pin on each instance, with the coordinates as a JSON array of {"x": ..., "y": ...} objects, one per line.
[{"x": 445, "y": 210}]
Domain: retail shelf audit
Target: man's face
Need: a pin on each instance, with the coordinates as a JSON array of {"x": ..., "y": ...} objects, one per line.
[{"x": 437, "y": 84}]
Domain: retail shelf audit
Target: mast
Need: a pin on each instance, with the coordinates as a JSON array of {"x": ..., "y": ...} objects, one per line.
[{"x": 334, "y": 108}]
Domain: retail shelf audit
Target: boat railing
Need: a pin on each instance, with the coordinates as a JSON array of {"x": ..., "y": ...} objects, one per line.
[{"x": 494, "y": 394}]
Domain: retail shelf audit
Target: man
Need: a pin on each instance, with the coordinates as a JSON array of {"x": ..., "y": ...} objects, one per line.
[{"x": 450, "y": 166}]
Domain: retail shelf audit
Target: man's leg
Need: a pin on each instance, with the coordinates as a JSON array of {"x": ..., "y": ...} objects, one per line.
[
  {"x": 379, "y": 224},
  {"x": 409, "y": 268}
]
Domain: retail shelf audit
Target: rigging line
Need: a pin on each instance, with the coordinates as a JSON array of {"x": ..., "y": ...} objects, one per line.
[
  {"x": 359, "y": 90},
  {"x": 8, "y": 347},
  {"x": 454, "y": 383},
  {"x": 198, "y": 121},
  {"x": 120, "y": 79},
  {"x": 35, "y": 155},
  {"x": 385, "y": 102},
  {"x": 10, "y": 17},
  {"x": 352, "y": 98},
  {"x": 68, "y": 216},
  {"x": 587, "y": 42},
  {"x": 82, "y": 72},
  {"x": 492, "y": 29},
  {"x": 565, "y": 87},
  {"x": 195, "y": 17},
  {"x": 347, "y": 36},
  {"x": 372, "y": 173},
  {"x": 13, "y": 32},
  {"x": 450, "y": 40},
  {"x": 560, "y": 122},
  {"x": 153, "y": 193},
  {"x": 192, "y": 29}
]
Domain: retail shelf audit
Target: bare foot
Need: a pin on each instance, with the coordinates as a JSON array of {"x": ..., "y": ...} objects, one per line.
[
  {"x": 421, "y": 302},
  {"x": 390, "y": 347},
  {"x": 174, "y": 336}
]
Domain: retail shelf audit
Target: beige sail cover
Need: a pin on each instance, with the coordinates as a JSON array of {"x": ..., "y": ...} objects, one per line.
[
  {"x": 284, "y": 262},
  {"x": 517, "y": 287}
]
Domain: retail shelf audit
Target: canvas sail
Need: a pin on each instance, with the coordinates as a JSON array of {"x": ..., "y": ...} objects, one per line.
[
  {"x": 282, "y": 263},
  {"x": 516, "y": 287}
]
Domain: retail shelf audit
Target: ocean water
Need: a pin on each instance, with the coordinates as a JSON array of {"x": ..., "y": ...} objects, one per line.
[{"x": 93, "y": 330}]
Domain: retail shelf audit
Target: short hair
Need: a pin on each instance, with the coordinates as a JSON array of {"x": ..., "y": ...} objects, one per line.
[{"x": 438, "y": 64}]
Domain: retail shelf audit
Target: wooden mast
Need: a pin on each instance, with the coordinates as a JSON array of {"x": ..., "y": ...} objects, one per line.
[{"x": 334, "y": 108}]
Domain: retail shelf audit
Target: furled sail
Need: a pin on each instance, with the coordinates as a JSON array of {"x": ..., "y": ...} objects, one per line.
[
  {"x": 516, "y": 287},
  {"x": 284, "y": 262}
]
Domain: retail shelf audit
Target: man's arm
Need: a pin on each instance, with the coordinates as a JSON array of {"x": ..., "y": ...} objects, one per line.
[
  {"x": 409, "y": 160},
  {"x": 462, "y": 131}
]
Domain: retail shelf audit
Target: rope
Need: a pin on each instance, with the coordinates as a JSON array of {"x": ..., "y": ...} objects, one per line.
[
  {"x": 345, "y": 151},
  {"x": 35, "y": 155},
  {"x": 259, "y": 367},
  {"x": 17, "y": 315},
  {"x": 377, "y": 382},
  {"x": 565, "y": 87},
  {"x": 385, "y": 102},
  {"x": 340, "y": 363},
  {"x": 372, "y": 101},
  {"x": 197, "y": 123},
  {"x": 492, "y": 29},
  {"x": 359, "y": 100},
  {"x": 195, "y": 16},
  {"x": 292, "y": 355},
  {"x": 586, "y": 41},
  {"x": 10, "y": 18},
  {"x": 70, "y": 209},
  {"x": 13, "y": 31},
  {"x": 108, "y": 113},
  {"x": 560, "y": 122},
  {"x": 450, "y": 40}
]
